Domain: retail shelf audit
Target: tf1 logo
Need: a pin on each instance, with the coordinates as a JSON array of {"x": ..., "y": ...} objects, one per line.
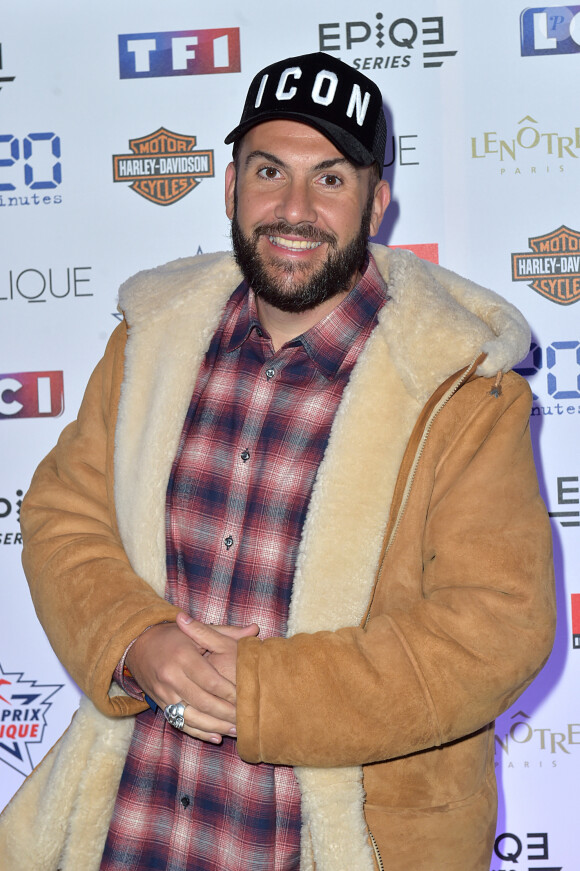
[
  {"x": 179, "y": 53},
  {"x": 31, "y": 394},
  {"x": 550, "y": 30}
]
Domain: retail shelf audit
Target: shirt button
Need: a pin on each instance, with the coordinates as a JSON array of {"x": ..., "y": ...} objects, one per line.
[
  {"x": 228, "y": 541},
  {"x": 185, "y": 801},
  {"x": 259, "y": 332},
  {"x": 270, "y": 373},
  {"x": 245, "y": 455}
]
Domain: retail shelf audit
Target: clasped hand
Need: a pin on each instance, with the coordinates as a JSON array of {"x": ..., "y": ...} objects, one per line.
[{"x": 195, "y": 663}]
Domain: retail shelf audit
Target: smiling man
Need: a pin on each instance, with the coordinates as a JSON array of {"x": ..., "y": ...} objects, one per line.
[
  {"x": 307, "y": 214},
  {"x": 292, "y": 550}
]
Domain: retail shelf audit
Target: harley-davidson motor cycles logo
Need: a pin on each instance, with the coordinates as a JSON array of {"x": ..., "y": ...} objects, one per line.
[
  {"x": 552, "y": 267},
  {"x": 163, "y": 167}
]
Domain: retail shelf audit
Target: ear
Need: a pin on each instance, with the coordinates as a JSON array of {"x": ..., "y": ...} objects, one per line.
[
  {"x": 230, "y": 189},
  {"x": 381, "y": 200}
]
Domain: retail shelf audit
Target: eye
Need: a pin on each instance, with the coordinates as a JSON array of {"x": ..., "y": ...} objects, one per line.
[
  {"x": 269, "y": 172},
  {"x": 331, "y": 181}
]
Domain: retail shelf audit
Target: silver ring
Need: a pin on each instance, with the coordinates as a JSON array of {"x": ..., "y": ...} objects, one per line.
[{"x": 174, "y": 714}]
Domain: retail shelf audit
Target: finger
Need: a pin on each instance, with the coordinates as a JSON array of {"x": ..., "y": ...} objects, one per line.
[
  {"x": 191, "y": 628},
  {"x": 201, "y": 685},
  {"x": 237, "y": 632},
  {"x": 202, "y": 634},
  {"x": 208, "y": 737},
  {"x": 211, "y": 637},
  {"x": 197, "y": 724},
  {"x": 206, "y": 689}
]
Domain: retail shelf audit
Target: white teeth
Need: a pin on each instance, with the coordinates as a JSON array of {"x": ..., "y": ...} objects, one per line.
[{"x": 293, "y": 243}]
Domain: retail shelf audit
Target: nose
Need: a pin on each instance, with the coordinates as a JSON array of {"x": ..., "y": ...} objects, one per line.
[{"x": 296, "y": 203}]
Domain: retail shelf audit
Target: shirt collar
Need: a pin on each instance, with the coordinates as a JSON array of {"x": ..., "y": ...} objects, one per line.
[
  {"x": 328, "y": 341},
  {"x": 245, "y": 317}
]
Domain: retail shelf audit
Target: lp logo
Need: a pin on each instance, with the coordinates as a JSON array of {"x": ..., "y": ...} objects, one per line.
[
  {"x": 31, "y": 394},
  {"x": 550, "y": 30}
]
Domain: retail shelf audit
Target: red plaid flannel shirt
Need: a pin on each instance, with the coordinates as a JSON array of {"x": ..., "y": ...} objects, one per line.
[{"x": 253, "y": 439}]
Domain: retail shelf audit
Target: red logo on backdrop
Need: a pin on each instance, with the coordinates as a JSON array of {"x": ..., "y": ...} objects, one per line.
[
  {"x": 163, "y": 167},
  {"x": 426, "y": 251},
  {"x": 23, "y": 709},
  {"x": 576, "y": 620},
  {"x": 552, "y": 267},
  {"x": 31, "y": 394}
]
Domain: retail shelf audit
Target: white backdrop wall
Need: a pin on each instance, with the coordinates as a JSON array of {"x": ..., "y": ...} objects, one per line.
[{"x": 483, "y": 156}]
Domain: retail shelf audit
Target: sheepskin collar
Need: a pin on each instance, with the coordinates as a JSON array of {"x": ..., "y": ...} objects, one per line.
[{"x": 435, "y": 309}]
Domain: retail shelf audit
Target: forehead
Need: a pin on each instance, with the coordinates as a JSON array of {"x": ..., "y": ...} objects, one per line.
[{"x": 289, "y": 140}]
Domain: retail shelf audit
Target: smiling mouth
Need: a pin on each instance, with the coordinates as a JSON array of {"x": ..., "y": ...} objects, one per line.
[{"x": 293, "y": 244}]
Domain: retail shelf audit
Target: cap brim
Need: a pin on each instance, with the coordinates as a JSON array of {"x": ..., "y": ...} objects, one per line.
[{"x": 346, "y": 144}]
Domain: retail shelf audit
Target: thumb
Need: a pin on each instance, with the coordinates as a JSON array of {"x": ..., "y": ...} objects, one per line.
[
  {"x": 201, "y": 633},
  {"x": 198, "y": 632},
  {"x": 189, "y": 627},
  {"x": 238, "y": 632}
]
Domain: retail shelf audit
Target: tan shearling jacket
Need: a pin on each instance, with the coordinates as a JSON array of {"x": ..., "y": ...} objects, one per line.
[{"x": 423, "y": 598}]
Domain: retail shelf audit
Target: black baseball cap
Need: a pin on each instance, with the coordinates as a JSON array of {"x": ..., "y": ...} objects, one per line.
[{"x": 322, "y": 91}]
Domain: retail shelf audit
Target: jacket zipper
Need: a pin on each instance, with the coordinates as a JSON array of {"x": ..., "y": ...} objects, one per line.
[
  {"x": 411, "y": 477},
  {"x": 418, "y": 454},
  {"x": 380, "y": 865}
]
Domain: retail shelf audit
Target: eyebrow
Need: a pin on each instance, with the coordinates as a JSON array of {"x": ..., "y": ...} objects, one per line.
[{"x": 324, "y": 164}]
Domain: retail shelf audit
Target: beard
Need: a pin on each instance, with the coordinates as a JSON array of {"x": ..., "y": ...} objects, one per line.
[{"x": 291, "y": 291}]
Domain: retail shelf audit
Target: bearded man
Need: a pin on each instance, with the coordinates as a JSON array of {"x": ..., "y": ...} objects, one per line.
[{"x": 292, "y": 550}]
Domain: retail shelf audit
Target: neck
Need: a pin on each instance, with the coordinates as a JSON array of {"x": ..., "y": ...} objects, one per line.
[{"x": 284, "y": 326}]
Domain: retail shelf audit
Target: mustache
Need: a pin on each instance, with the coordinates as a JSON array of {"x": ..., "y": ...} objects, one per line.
[{"x": 305, "y": 231}]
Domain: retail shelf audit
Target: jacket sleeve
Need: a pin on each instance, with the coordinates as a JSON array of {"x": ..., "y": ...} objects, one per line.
[
  {"x": 462, "y": 618},
  {"x": 88, "y": 599}
]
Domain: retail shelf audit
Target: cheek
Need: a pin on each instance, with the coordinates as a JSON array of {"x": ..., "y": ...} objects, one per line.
[
  {"x": 343, "y": 219},
  {"x": 253, "y": 210}
]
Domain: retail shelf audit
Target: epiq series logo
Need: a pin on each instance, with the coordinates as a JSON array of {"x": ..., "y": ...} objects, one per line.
[
  {"x": 163, "y": 167},
  {"x": 387, "y": 43},
  {"x": 4, "y": 79},
  {"x": 10, "y": 515},
  {"x": 550, "y": 30},
  {"x": 552, "y": 267},
  {"x": 568, "y": 504},
  {"x": 23, "y": 709},
  {"x": 517, "y": 848},
  {"x": 31, "y": 394},
  {"x": 179, "y": 53}
]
